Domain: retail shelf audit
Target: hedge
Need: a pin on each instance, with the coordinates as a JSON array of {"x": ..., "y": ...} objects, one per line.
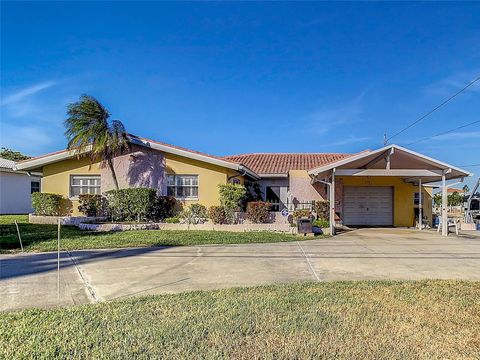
[
  {"x": 165, "y": 207},
  {"x": 322, "y": 208},
  {"x": 91, "y": 205},
  {"x": 132, "y": 204},
  {"x": 258, "y": 212},
  {"x": 46, "y": 204},
  {"x": 217, "y": 214}
]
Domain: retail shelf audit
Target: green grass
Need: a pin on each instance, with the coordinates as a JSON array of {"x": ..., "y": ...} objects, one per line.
[
  {"x": 334, "y": 320},
  {"x": 39, "y": 238}
]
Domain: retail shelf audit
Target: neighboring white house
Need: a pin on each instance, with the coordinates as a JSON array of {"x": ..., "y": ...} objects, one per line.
[{"x": 16, "y": 188}]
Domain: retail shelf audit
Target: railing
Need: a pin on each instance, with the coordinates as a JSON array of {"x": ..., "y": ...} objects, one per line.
[{"x": 292, "y": 206}]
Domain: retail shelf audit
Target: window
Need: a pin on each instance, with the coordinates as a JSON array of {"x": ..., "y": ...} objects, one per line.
[
  {"x": 83, "y": 184},
  {"x": 183, "y": 186},
  {"x": 34, "y": 187},
  {"x": 416, "y": 198}
]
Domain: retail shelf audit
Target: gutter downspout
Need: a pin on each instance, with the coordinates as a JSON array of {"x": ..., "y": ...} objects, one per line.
[{"x": 235, "y": 176}]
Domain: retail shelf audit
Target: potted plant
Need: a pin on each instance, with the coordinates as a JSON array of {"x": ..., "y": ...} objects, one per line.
[{"x": 319, "y": 225}]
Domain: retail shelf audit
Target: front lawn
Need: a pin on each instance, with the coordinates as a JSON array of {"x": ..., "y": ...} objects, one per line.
[
  {"x": 38, "y": 237},
  {"x": 341, "y": 320}
]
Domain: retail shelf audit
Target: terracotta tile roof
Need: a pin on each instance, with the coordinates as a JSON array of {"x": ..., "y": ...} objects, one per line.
[
  {"x": 281, "y": 163},
  {"x": 453, "y": 190}
]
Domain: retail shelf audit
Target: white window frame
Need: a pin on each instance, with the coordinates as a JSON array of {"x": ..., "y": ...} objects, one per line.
[
  {"x": 84, "y": 177},
  {"x": 175, "y": 176}
]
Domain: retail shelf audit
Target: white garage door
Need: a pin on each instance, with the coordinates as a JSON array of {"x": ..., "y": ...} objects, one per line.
[{"x": 368, "y": 205}]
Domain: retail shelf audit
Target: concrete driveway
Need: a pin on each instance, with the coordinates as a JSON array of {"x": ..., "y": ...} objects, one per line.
[{"x": 98, "y": 275}]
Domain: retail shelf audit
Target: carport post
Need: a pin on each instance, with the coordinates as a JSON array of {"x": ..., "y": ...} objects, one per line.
[
  {"x": 444, "y": 206},
  {"x": 420, "y": 215},
  {"x": 332, "y": 204}
]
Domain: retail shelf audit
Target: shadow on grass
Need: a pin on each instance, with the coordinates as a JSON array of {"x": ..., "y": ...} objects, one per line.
[
  {"x": 30, "y": 264},
  {"x": 34, "y": 233}
]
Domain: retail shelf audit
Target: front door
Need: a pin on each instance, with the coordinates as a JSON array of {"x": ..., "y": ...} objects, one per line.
[{"x": 276, "y": 195}]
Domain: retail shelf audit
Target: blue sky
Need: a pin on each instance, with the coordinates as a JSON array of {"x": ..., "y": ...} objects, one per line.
[{"x": 227, "y": 78}]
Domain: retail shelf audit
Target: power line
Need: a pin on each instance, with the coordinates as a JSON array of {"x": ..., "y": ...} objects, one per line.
[
  {"x": 471, "y": 165},
  {"x": 433, "y": 110},
  {"x": 445, "y": 132}
]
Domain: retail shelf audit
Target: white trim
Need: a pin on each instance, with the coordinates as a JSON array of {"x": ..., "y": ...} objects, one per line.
[
  {"x": 35, "y": 163},
  {"x": 48, "y": 159},
  {"x": 393, "y": 146},
  {"x": 12, "y": 171},
  {"x": 384, "y": 172},
  {"x": 273, "y": 175}
]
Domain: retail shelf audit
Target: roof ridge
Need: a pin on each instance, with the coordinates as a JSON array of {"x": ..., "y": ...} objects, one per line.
[{"x": 291, "y": 153}]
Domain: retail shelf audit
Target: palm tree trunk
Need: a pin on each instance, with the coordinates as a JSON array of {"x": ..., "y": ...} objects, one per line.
[{"x": 114, "y": 176}]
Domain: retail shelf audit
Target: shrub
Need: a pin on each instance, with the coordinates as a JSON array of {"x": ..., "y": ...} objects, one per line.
[
  {"x": 231, "y": 196},
  {"x": 46, "y": 204},
  {"x": 194, "y": 214},
  {"x": 321, "y": 223},
  {"x": 258, "y": 212},
  {"x": 172, "y": 220},
  {"x": 297, "y": 214},
  {"x": 165, "y": 207},
  {"x": 217, "y": 214},
  {"x": 91, "y": 205},
  {"x": 322, "y": 208},
  {"x": 132, "y": 204}
]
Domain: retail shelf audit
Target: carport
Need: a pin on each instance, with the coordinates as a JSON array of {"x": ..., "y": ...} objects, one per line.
[{"x": 379, "y": 188}]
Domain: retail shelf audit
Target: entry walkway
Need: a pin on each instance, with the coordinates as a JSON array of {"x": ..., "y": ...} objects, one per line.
[{"x": 99, "y": 275}]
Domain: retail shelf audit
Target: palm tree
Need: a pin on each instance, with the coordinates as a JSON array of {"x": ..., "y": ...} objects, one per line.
[
  {"x": 465, "y": 189},
  {"x": 89, "y": 129}
]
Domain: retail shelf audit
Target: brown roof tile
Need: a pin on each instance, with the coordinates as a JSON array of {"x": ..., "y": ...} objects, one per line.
[{"x": 280, "y": 163}]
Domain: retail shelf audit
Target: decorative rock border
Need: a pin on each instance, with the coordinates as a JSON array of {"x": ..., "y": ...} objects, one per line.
[
  {"x": 117, "y": 227},
  {"x": 88, "y": 223},
  {"x": 64, "y": 220}
]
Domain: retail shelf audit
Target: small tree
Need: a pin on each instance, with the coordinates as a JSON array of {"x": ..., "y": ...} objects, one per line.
[
  {"x": 194, "y": 214},
  {"x": 13, "y": 155},
  {"x": 455, "y": 199},
  {"x": 437, "y": 199},
  {"x": 231, "y": 196}
]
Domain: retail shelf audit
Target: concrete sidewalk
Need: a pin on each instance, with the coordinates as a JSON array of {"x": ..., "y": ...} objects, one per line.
[{"x": 96, "y": 275}]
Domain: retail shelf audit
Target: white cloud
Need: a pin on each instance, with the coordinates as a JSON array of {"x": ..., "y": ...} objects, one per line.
[
  {"x": 349, "y": 140},
  {"x": 22, "y": 94},
  {"x": 28, "y": 139},
  {"x": 459, "y": 136},
  {"x": 452, "y": 83},
  {"x": 324, "y": 119}
]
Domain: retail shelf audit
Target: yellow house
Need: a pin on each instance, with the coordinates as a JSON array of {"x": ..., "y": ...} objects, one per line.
[
  {"x": 190, "y": 176},
  {"x": 384, "y": 187}
]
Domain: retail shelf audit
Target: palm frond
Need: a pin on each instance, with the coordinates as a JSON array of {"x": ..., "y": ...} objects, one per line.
[{"x": 87, "y": 126}]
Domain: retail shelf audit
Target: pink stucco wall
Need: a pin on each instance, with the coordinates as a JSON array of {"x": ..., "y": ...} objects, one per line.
[
  {"x": 302, "y": 190},
  {"x": 142, "y": 167}
]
